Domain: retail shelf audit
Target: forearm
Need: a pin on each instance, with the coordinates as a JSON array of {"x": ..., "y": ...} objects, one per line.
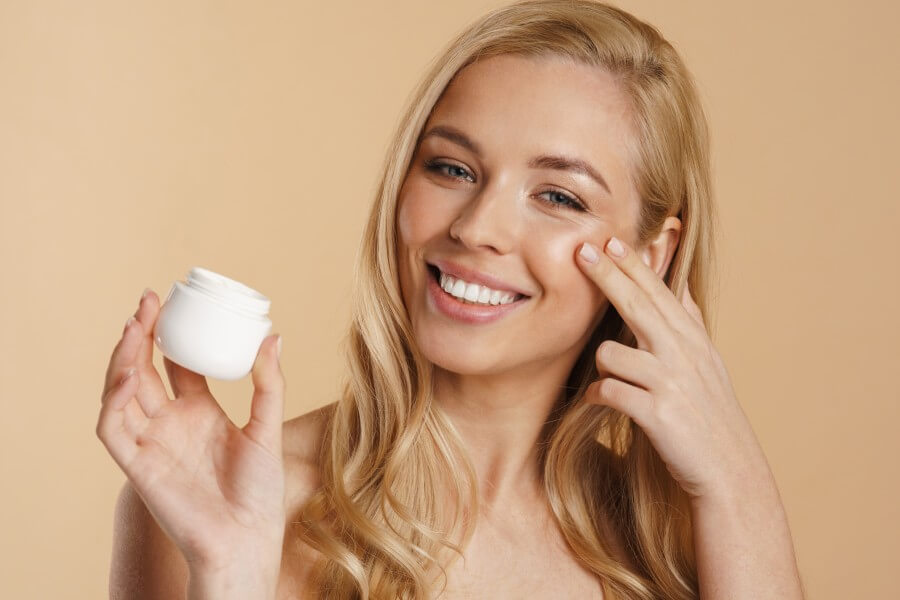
[{"x": 743, "y": 545}]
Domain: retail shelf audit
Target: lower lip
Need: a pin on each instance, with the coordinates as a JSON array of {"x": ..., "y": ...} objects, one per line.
[{"x": 467, "y": 313}]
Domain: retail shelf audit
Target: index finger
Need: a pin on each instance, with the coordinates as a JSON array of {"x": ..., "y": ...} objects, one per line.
[
  {"x": 135, "y": 349},
  {"x": 123, "y": 355},
  {"x": 674, "y": 312},
  {"x": 632, "y": 302}
]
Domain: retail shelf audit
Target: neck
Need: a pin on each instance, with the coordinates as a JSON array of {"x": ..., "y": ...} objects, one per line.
[{"x": 500, "y": 419}]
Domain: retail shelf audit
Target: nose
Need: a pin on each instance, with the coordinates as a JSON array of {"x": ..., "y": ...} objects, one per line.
[{"x": 487, "y": 220}]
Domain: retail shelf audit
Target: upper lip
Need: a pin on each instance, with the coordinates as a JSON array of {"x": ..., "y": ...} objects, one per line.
[{"x": 472, "y": 276}]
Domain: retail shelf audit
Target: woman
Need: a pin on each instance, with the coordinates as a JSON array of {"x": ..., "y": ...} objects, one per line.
[{"x": 519, "y": 396}]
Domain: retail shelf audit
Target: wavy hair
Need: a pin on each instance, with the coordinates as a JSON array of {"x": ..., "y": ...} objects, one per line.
[{"x": 398, "y": 496}]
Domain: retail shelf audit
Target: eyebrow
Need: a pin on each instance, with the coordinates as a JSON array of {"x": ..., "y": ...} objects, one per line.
[{"x": 544, "y": 161}]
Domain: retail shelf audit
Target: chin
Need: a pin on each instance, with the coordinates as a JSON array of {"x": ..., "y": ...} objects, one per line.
[{"x": 459, "y": 358}]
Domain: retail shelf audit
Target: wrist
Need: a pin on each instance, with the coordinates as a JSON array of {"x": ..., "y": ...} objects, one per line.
[
  {"x": 752, "y": 496},
  {"x": 740, "y": 485},
  {"x": 250, "y": 580}
]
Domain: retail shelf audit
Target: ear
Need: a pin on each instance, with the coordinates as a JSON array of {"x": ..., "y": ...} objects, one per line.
[{"x": 658, "y": 252}]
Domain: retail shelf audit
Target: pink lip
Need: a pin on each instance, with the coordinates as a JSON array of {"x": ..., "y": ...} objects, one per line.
[
  {"x": 467, "y": 313},
  {"x": 472, "y": 276}
]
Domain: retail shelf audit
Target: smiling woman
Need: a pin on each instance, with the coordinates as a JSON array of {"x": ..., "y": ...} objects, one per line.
[{"x": 555, "y": 415}]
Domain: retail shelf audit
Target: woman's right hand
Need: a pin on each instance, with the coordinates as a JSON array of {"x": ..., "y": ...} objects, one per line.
[{"x": 215, "y": 489}]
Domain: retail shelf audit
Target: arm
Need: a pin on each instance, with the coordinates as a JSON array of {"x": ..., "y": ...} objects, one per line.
[
  {"x": 743, "y": 545},
  {"x": 204, "y": 497},
  {"x": 145, "y": 565},
  {"x": 676, "y": 387}
]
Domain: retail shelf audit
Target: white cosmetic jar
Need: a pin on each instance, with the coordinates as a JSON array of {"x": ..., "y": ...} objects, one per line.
[{"x": 212, "y": 325}]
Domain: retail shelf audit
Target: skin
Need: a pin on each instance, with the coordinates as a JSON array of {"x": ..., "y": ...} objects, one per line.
[
  {"x": 494, "y": 213},
  {"x": 497, "y": 382}
]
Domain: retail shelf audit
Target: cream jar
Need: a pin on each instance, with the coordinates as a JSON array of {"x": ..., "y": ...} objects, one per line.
[{"x": 212, "y": 325}]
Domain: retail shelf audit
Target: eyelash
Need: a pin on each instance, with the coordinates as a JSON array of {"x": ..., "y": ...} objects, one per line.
[{"x": 436, "y": 166}]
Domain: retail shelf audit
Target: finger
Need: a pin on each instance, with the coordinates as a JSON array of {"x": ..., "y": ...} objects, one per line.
[
  {"x": 146, "y": 313},
  {"x": 650, "y": 289},
  {"x": 184, "y": 381},
  {"x": 656, "y": 289},
  {"x": 623, "y": 397},
  {"x": 136, "y": 349},
  {"x": 123, "y": 356},
  {"x": 631, "y": 302},
  {"x": 111, "y": 428},
  {"x": 151, "y": 394},
  {"x": 631, "y": 365},
  {"x": 135, "y": 418},
  {"x": 267, "y": 408},
  {"x": 687, "y": 300}
]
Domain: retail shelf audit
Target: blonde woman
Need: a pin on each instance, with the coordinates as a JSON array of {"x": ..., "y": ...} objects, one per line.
[{"x": 534, "y": 407}]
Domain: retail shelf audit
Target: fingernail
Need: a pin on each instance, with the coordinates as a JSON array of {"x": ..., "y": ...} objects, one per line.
[
  {"x": 127, "y": 323},
  {"x": 146, "y": 291},
  {"x": 589, "y": 253},
  {"x": 615, "y": 247},
  {"x": 279, "y": 346}
]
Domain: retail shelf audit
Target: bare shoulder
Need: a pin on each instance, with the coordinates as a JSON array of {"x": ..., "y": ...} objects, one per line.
[
  {"x": 301, "y": 444},
  {"x": 301, "y": 435}
]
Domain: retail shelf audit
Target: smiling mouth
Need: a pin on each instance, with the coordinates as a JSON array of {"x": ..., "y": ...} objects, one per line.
[{"x": 435, "y": 274}]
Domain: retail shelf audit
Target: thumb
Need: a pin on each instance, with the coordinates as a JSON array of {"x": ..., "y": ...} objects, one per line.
[{"x": 267, "y": 408}]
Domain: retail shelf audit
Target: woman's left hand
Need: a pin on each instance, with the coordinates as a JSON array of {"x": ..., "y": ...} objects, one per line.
[{"x": 674, "y": 385}]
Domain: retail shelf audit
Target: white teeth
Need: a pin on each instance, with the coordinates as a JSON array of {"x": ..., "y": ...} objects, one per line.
[
  {"x": 472, "y": 292},
  {"x": 459, "y": 288}
]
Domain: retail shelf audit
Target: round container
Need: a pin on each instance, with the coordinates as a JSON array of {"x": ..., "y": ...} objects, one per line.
[{"x": 212, "y": 325}]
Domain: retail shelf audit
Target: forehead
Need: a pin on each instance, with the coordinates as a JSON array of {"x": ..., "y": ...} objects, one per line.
[{"x": 517, "y": 107}]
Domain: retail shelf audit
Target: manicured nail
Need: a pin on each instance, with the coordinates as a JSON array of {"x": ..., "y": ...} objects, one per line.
[
  {"x": 127, "y": 323},
  {"x": 130, "y": 372},
  {"x": 279, "y": 346},
  {"x": 146, "y": 291},
  {"x": 589, "y": 253},
  {"x": 615, "y": 247}
]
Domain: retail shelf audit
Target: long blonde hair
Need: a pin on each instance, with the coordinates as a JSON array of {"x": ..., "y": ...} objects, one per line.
[{"x": 398, "y": 491}]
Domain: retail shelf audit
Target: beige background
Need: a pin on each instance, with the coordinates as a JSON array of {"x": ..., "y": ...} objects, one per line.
[{"x": 138, "y": 139}]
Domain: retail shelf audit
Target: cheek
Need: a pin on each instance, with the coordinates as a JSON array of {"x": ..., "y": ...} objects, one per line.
[
  {"x": 418, "y": 218},
  {"x": 563, "y": 282}
]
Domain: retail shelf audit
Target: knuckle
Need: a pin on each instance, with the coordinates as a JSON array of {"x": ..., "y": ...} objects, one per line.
[
  {"x": 636, "y": 304},
  {"x": 713, "y": 362},
  {"x": 100, "y": 428},
  {"x": 274, "y": 385},
  {"x": 669, "y": 385},
  {"x": 663, "y": 410},
  {"x": 607, "y": 387}
]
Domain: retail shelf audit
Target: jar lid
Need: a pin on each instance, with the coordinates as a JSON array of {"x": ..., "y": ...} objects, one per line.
[{"x": 228, "y": 291}]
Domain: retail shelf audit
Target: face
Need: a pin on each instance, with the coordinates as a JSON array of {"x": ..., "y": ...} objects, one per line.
[{"x": 480, "y": 204}]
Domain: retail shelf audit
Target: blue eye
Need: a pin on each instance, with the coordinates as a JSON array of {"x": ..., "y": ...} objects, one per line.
[
  {"x": 566, "y": 201},
  {"x": 436, "y": 167}
]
